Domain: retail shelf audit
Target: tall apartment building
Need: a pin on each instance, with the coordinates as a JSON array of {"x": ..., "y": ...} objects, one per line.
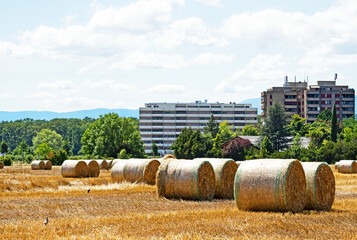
[
  {"x": 163, "y": 122},
  {"x": 309, "y": 101}
]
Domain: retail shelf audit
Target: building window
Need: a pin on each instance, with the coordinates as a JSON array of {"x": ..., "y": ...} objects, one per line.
[
  {"x": 271, "y": 103},
  {"x": 328, "y": 95},
  {"x": 271, "y": 96},
  {"x": 337, "y": 95}
]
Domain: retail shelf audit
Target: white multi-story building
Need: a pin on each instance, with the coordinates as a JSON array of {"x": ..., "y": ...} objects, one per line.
[{"x": 163, "y": 122}]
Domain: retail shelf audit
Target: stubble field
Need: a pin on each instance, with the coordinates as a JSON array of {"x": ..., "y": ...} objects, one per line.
[{"x": 133, "y": 211}]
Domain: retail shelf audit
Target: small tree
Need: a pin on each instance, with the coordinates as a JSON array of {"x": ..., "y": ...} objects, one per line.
[
  {"x": 154, "y": 149},
  {"x": 298, "y": 125},
  {"x": 249, "y": 130},
  {"x": 276, "y": 127},
  {"x": 212, "y": 127},
  {"x": 334, "y": 125},
  {"x": 325, "y": 115},
  {"x": 4, "y": 147},
  {"x": 237, "y": 148},
  {"x": 266, "y": 145},
  {"x": 189, "y": 144},
  {"x": 123, "y": 154},
  {"x": 42, "y": 150},
  {"x": 226, "y": 131}
]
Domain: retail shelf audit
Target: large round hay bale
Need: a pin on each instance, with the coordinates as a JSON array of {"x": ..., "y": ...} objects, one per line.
[
  {"x": 169, "y": 156},
  {"x": 320, "y": 186},
  {"x": 186, "y": 179},
  {"x": 74, "y": 168},
  {"x": 239, "y": 163},
  {"x": 94, "y": 168},
  {"x": 1, "y": 164},
  {"x": 347, "y": 166},
  {"x": 48, "y": 165},
  {"x": 116, "y": 160},
  {"x": 270, "y": 185},
  {"x": 103, "y": 164},
  {"x": 135, "y": 170},
  {"x": 225, "y": 171},
  {"x": 38, "y": 165},
  {"x": 336, "y": 165},
  {"x": 109, "y": 164}
]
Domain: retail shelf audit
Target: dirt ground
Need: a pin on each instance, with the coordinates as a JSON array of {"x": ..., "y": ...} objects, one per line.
[{"x": 134, "y": 211}]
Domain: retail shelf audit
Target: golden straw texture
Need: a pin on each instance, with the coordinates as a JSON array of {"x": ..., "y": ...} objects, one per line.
[
  {"x": 38, "y": 165},
  {"x": 270, "y": 185},
  {"x": 225, "y": 171},
  {"x": 103, "y": 164},
  {"x": 48, "y": 165},
  {"x": 186, "y": 179},
  {"x": 74, "y": 168},
  {"x": 320, "y": 186},
  {"x": 347, "y": 166}
]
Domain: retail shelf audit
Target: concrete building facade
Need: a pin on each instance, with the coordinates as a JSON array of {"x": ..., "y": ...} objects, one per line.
[
  {"x": 163, "y": 122},
  {"x": 309, "y": 101}
]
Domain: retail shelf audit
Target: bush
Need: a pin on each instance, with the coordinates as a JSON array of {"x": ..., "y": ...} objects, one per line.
[
  {"x": 8, "y": 159},
  {"x": 57, "y": 157},
  {"x": 28, "y": 158},
  {"x": 18, "y": 157}
]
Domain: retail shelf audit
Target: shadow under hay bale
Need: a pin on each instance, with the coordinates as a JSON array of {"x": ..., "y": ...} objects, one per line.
[
  {"x": 103, "y": 164},
  {"x": 135, "y": 170},
  {"x": 75, "y": 169},
  {"x": 48, "y": 165},
  {"x": 38, "y": 165},
  {"x": 93, "y": 167},
  {"x": 347, "y": 166},
  {"x": 320, "y": 186},
  {"x": 225, "y": 171},
  {"x": 270, "y": 185},
  {"x": 186, "y": 179}
]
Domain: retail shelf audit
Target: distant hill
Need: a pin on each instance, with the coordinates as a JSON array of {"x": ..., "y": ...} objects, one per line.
[
  {"x": 47, "y": 115},
  {"x": 255, "y": 103}
]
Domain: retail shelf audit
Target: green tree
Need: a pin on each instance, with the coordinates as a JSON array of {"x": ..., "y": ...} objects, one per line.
[
  {"x": 53, "y": 139},
  {"x": 334, "y": 125},
  {"x": 266, "y": 145},
  {"x": 42, "y": 150},
  {"x": 109, "y": 134},
  {"x": 4, "y": 147},
  {"x": 212, "y": 127},
  {"x": 154, "y": 149},
  {"x": 189, "y": 144},
  {"x": 298, "y": 125},
  {"x": 296, "y": 147},
  {"x": 215, "y": 151},
  {"x": 67, "y": 147},
  {"x": 21, "y": 149},
  {"x": 325, "y": 115},
  {"x": 249, "y": 130},
  {"x": 123, "y": 154},
  {"x": 226, "y": 131},
  {"x": 276, "y": 127}
]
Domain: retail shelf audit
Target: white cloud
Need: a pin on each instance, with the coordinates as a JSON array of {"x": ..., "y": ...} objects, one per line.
[
  {"x": 140, "y": 15},
  {"x": 150, "y": 60},
  {"x": 165, "y": 89},
  {"x": 214, "y": 59},
  {"x": 214, "y": 3},
  {"x": 260, "y": 71},
  {"x": 64, "y": 85}
]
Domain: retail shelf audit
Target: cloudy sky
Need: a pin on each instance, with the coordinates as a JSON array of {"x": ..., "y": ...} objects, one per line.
[{"x": 73, "y": 55}]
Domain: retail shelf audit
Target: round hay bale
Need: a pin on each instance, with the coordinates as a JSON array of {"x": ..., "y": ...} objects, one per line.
[
  {"x": 48, "y": 165},
  {"x": 109, "y": 164},
  {"x": 75, "y": 169},
  {"x": 94, "y": 168},
  {"x": 270, "y": 185},
  {"x": 186, "y": 179},
  {"x": 336, "y": 165},
  {"x": 239, "y": 163},
  {"x": 168, "y": 156},
  {"x": 347, "y": 166},
  {"x": 116, "y": 160},
  {"x": 1, "y": 164},
  {"x": 135, "y": 170},
  {"x": 38, "y": 165},
  {"x": 225, "y": 171},
  {"x": 320, "y": 186},
  {"x": 103, "y": 164}
]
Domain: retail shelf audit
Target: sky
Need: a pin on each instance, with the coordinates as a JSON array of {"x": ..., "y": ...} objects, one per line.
[{"x": 76, "y": 55}]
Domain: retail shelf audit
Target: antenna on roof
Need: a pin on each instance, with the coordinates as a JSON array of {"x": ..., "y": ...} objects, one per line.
[
  {"x": 295, "y": 78},
  {"x": 286, "y": 79},
  {"x": 335, "y": 76},
  {"x": 307, "y": 80}
]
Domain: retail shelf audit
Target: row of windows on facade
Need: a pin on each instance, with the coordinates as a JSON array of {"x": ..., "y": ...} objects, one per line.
[
  {"x": 200, "y": 118},
  {"x": 183, "y": 124},
  {"x": 206, "y": 112},
  {"x": 337, "y": 115},
  {"x": 204, "y": 106},
  {"x": 317, "y": 96}
]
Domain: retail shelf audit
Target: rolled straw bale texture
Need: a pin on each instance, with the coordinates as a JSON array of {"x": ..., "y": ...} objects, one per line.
[
  {"x": 347, "y": 166},
  {"x": 103, "y": 164},
  {"x": 270, "y": 185},
  {"x": 135, "y": 170},
  {"x": 38, "y": 165},
  {"x": 1, "y": 164},
  {"x": 239, "y": 163},
  {"x": 74, "y": 168},
  {"x": 336, "y": 165},
  {"x": 94, "y": 168},
  {"x": 169, "y": 156},
  {"x": 320, "y": 186},
  {"x": 116, "y": 160},
  {"x": 48, "y": 165},
  {"x": 225, "y": 171},
  {"x": 186, "y": 179}
]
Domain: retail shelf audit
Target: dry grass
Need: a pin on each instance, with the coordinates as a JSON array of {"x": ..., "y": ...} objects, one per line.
[{"x": 133, "y": 211}]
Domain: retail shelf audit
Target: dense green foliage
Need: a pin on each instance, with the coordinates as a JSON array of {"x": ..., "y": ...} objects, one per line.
[
  {"x": 212, "y": 127},
  {"x": 334, "y": 125},
  {"x": 109, "y": 134},
  {"x": 154, "y": 149},
  {"x": 189, "y": 144},
  {"x": 250, "y": 130}
]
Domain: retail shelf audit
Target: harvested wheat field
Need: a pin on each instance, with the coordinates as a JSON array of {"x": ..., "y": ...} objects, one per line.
[{"x": 134, "y": 211}]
